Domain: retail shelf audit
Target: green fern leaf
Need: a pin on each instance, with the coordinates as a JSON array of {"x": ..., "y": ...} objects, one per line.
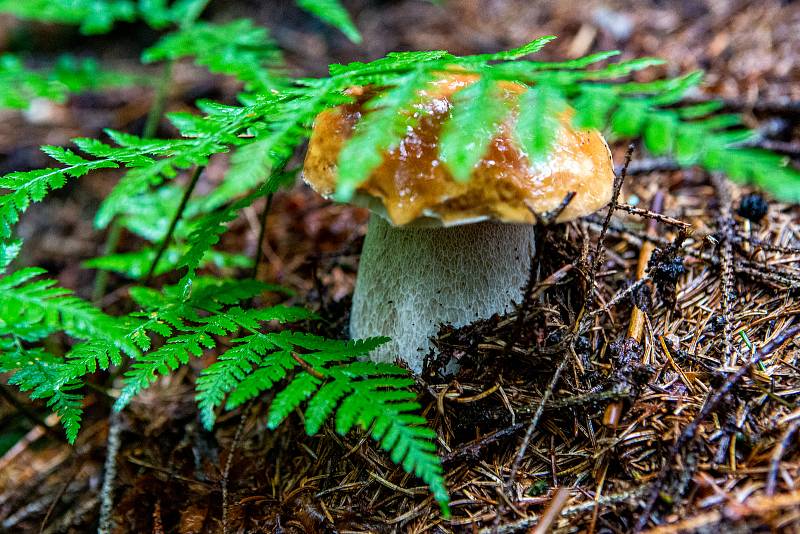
[
  {"x": 273, "y": 369},
  {"x": 510, "y": 55},
  {"x": 237, "y": 48},
  {"x": 478, "y": 112},
  {"x": 287, "y": 400},
  {"x": 69, "y": 408},
  {"x": 332, "y": 12},
  {"x": 537, "y": 121},
  {"x": 217, "y": 380},
  {"x": 321, "y": 406},
  {"x": 24, "y": 301},
  {"x": 9, "y": 250},
  {"x": 380, "y": 130},
  {"x": 93, "y": 16}
]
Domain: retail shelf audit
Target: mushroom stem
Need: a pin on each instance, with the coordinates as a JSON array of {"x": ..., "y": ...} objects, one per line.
[{"x": 411, "y": 280}]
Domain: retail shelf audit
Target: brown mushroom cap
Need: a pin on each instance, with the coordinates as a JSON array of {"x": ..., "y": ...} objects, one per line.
[{"x": 413, "y": 185}]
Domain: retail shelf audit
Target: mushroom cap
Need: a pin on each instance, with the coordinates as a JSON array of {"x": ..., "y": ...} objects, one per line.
[{"x": 412, "y": 186}]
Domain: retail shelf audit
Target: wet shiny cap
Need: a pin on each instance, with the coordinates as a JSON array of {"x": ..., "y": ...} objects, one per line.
[{"x": 412, "y": 186}]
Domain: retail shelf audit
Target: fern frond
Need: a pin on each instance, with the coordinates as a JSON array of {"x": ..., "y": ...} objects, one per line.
[
  {"x": 332, "y": 382},
  {"x": 28, "y": 302},
  {"x": 9, "y": 250},
  {"x": 537, "y": 120},
  {"x": 151, "y": 161},
  {"x": 32, "y": 186},
  {"x": 378, "y": 131},
  {"x": 69, "y": 408},
  {"x": 92, "y": 16},
  {"x": 272, "y": 370},
  {"x": 99, "y": 16},
  {"x": 374, "y": 397},
  {"x": 207, "y": 230},
  {"x": 137, "y": 264},
  {"x": 232, "y": 366},
  {"x": 191, "y": 325},
  {"x": 478, "y": 112},
  {"x": 332, "y": 12},
  {"x": 160, "y": 362},
  {"x": 238, "y": 49},
  {"x": 45, "y": 376},
  {"x": 32, "y": 309},
  {"x": 19, "y": 85}
]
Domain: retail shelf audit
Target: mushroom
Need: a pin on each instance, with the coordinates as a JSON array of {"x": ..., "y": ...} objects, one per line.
[{"x": 439, "y": 251}]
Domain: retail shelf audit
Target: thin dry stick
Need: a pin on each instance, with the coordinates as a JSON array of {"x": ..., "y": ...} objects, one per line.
[
  {"x": 777, "y": 455},
  {"x": 654, "y": 214},
  {"x": 646, "y": 166},
  {"x": 636, "y": 325},
  {"x": 75, "y": 470},
  {"x": 617, "y": 298},
  {"x": 766, "y": 245},
  {"x": 528, "y": 522},
  {"x": 534, "y": 422},
  {"x": 553, "y": 511},
  {"x": 601, "y": 241},
  {"x": 228, "y": 462},
  {"x": 749, "y": 268},
  {"x": 725, "y": 227},
  {"x": 689, "y": 434},
  {"x": 471, "y": 450},
  {"x": 104, "y": 524}
]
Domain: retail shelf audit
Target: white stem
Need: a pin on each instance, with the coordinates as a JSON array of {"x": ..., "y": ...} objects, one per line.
[{"x": 411, "y": 280}]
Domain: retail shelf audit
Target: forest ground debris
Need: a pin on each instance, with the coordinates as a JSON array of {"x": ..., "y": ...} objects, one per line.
[{"x": 331, "y": 480}]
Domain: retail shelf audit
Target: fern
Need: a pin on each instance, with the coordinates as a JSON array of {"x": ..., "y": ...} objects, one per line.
[
  {"x": 136, "y": 264},
  {"x": 190, "y": 324},
  {"x": 237, "y": 49},
  {"x": 329, "y": 378},
  {"x": 32, "y": 309},
  {"x": 32, "y": 186},
  {"x": 278, "y": 121},
  {"x": 19, "y": 85},
  {"x": 379, "y": 131},
  {"x": 372, "y": 396},
  {"x": 332, "y": 12},
  {"x": 478, "y": 112},
  {"x": 27, "y": 303},
  {"x": 99, "y": 16},
  {"x": 92, "y": 16},
  {"x": 257, "y": 349}
]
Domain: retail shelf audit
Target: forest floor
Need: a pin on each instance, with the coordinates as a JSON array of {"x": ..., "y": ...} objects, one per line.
[{"x": 572, "y": 412}]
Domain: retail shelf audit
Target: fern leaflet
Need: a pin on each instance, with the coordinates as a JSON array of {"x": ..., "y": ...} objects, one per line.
[
  {"x": 332, "y": 12},
  {"x": 331, "y": 380},
  {"x": 237, "y": 48}
]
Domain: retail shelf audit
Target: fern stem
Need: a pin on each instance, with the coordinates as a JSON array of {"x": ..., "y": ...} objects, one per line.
[
  {"x": 174, "y": 223},
  {"x": 101, "y": 280},
  {"x": 305, "y": 365},
  {"x": 160, "y": 101},
  {"x": 261, "y": 236}
]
